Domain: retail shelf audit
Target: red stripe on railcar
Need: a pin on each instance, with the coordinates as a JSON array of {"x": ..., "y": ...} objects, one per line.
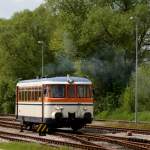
[{"x": 87, "y": 100}]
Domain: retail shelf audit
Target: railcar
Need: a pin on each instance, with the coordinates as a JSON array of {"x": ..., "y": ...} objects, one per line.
[{"x": 56, "y": 102}]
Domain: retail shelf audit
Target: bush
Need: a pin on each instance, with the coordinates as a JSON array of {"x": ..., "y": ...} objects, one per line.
[
  {"x": 7, "y": 96},
  {"x": 143, "y": 90},
  {"x": 8, "y": 107},
  {"x": 115, "y": 115}
]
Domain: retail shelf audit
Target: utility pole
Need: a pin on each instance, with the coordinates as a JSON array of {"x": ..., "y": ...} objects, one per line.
[
  {"x": 42, "y": 61},
  {"x": 136, "y": 68},
  {"x": 136, "y": 78}
]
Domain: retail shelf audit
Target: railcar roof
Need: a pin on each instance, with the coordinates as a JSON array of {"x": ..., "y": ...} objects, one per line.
[{"x": 55, "y": 80}]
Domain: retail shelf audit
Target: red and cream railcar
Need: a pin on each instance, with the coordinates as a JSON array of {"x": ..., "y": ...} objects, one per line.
[{"x": 57, "y": 102}]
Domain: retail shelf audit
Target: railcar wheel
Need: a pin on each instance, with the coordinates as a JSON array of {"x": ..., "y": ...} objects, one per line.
[{"x": 28, "y": 126}]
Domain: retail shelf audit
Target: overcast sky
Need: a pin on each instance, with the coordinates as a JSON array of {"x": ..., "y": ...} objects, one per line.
[{"x": 8, "y": 7}]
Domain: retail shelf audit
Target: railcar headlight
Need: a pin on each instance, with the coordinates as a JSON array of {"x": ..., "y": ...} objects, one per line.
[
  {"x": 85, "y": 108},
  {"x": 59, "y": 108}
]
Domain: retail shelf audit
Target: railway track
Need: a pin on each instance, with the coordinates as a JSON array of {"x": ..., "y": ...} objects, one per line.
[
  {"x": 124, "y": 142},
  {"x": 9, "y": 124},
  {"x": 8, "y": 118},
  {"x": 77, "y": 138},
  {"x": 28, "y": 138},
  {"x": 87, "y": 140},
  {"x": 122, "y": 121},
  {"x": 11, "y": 117},
  {"x": 115, "y": 129},
  {"x": 127, "y": 142}
]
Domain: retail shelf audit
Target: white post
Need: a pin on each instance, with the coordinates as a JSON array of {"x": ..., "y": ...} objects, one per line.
[
  {"x": 42, "y": 61},
  {"x": 136, "y": 77}
]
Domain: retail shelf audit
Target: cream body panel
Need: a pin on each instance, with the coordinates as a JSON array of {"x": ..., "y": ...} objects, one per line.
[
  {"x": 27, "y": 109},
  {"x": 79, "y": 110}
]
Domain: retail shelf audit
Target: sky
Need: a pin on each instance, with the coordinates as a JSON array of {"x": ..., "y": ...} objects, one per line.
[{"x": 9, "y": 7}]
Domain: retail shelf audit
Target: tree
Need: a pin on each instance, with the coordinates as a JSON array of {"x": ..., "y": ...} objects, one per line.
[
  {"x": 143, "y": 90},
  {"x": 93, "y": 38},
  {"x": 20, "y": 53},
  {"x": 101, "y": 32}
]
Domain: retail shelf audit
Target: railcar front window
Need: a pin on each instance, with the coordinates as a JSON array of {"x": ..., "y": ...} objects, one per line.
[
  {"x": 71, "y": 91},
  {"x": 58, "y": 91},
  {"x": 83, "y": 91}
]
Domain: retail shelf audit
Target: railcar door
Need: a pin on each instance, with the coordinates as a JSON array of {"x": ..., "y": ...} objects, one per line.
[
  {"x": 43, "y": 87},
  {"x": 17, "y": 97},
  {"x": 45, "y": 90}
]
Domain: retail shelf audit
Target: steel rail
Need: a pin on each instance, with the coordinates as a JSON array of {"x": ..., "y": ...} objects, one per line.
[
  {"x": 117, "y": 129},
  {"x": 77, "y": 138},
  {"x": 118, "y": 140},
  {"x": 49, "y": 141}
]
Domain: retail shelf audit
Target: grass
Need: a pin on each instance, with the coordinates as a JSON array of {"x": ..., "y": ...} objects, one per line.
[
  {"x": 115, "y": 115},
  {"x": 144, "y": 116},
  {"x": 26, "y": 146},
  {"x": 116, "y": 118},
  {"x": 123, "y": 115},
  {"x": 126, "y": 125}
]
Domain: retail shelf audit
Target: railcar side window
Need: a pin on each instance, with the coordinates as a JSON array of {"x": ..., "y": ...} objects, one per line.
[
  {"x": 32, "y": 94},
  {"x": 26, "y": 95},
  {"x": 46, "y": 90},
  {"x": 36, "y": 94},
  {"x": 19, "y": 95},
  {"x": 39, "y": 93},
  {"x": 29, "y": 94},
  {"x": 58, "y": 91},
  {"x": 70, "y": 91},
  {"x": 22, "y": 94}
]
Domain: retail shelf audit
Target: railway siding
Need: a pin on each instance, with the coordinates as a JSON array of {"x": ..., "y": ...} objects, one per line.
[{"x": 9, "y": 130}]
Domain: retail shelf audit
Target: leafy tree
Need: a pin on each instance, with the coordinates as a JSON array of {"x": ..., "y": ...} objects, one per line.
[
  {"x": 93, "y": 38},
  {"x": 98, "y": 29},
  {"x": 20, "y": 53}
]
